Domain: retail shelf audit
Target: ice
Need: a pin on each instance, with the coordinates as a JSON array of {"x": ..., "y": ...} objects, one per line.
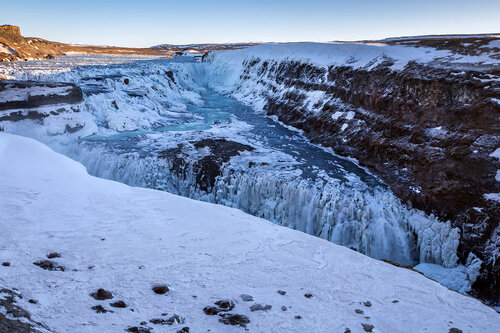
[{"x": 125, "y": 125}]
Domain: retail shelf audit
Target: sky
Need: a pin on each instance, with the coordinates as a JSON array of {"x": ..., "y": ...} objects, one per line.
[{"x": 150, "y": 22}]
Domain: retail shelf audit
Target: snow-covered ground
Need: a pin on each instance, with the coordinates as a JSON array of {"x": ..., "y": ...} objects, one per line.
[{"x": 127, "y": 240}]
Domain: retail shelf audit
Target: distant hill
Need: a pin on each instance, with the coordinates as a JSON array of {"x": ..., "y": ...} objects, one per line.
[{"x": 13, "y": 47}]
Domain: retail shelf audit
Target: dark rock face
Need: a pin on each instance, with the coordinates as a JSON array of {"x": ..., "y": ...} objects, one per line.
[
  {"x": 35, "y": 94},
  {"x": 170, "y": 75},
  {"x": 427, "y": 132},
  {"x": 207, "y": 168},
  {"x": 16, "y": 319}
]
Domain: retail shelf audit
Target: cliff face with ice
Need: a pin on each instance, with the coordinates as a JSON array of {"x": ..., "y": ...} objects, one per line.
[
  {"x": 396, "y": 108},
  {"x": 423, "y": 114}
]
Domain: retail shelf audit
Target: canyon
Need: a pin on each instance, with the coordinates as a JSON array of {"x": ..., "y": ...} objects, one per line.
[{"x": 389, "y": 148}]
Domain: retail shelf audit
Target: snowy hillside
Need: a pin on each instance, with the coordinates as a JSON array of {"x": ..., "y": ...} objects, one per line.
[{"x": 102, "y": 234}]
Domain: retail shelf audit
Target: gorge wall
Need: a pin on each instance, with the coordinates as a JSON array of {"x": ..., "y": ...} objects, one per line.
[{"x": 430, "y": 130}]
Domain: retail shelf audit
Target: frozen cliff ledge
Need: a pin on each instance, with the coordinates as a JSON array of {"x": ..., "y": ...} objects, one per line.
[
  {"x": 421, "y": 113},
  {"x": 84, "y": 233}
]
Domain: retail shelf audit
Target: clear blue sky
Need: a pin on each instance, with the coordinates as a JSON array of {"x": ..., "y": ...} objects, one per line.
[{"x": 150, "y": 22}]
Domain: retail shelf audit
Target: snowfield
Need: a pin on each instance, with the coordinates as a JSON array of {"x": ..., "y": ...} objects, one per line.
[{"x": 127, "y": 240}]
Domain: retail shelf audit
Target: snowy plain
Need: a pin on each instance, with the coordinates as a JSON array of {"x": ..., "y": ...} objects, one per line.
[{"x": 127, "y": 239}]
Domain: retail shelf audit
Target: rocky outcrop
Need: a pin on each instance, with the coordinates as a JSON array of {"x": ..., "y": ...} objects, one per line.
[
  {"x": 429, "y": 132},
  {"x": 21, "y": 100},
  {"x": 32, "y": 94},
  {"x": 13, "y": 318},
  {"x": 207, "y": 168},
  {"x": 13, "y": 46}
]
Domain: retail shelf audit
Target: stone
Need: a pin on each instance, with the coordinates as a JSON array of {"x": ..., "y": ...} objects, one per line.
[
  {"x": 308, "y": 295},
  {"x": 118, "y": 304},
  {"x": 225, "y": 305},
  {"x": 211, "y": 310},
  {"x": 53, "y": 255},
  {"x": 136, "y": 329},
  {"x": 6, "y": 264},
  {"x": 160, "y": 289},
  {"x": 281, "y": 292},
  {"x": 101, "y": 294},
  {"x": 234, "y": 319},
  {"x": 260, "y": 307},
  {"x": 359, "y": 311},
  {"x": 368, "y": 327},
  {"x": 455, "y": 330},
  {"x": 49, "y": 265},
  {"x": 100, "y": 309},
  {"x": 246, "y": 298}
]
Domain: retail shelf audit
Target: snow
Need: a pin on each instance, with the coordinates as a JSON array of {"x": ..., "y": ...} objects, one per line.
[
  {"x": 345, "y": 212},
  {"x": 337, "y": 115},
  {"x": 496, "y": 153},
  {"x": 7, "y": 49},
  {"x": 458, "y": 278},
  {"x": 325, "y": 54},
  {"x": 22, "y": 94},
  {"x": 391, "y": 39},
  {"x": 135, "y": 238},
  {"x": 492, "y": 196}
]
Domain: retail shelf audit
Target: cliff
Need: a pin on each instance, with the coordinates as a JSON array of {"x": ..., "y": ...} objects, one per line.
[
  {"x": 13, "y": 46},
  {"x": 421, "y": 113}
]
